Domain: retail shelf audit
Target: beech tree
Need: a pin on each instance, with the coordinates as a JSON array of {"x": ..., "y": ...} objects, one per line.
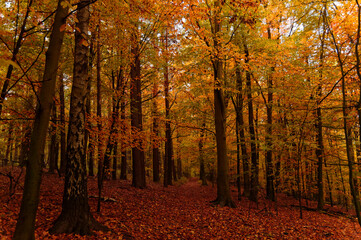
[
  {"x": 75, "y": 216},
  {"x": 25, "y": 226}
]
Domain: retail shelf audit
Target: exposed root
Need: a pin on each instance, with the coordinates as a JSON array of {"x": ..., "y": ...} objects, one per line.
[
  {"x": 224, "y": 203},
  {"x": 82, "y": 225}
]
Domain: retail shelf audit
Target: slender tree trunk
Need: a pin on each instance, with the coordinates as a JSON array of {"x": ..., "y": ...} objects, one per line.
[
  {"x": 99, "y": 106},
  {"x": 168, "y": 161},
  {"x": 17, "y": 46},
  {"x": 115, "y": 162},
  {"x": 89, "y": 148},
  {"x": 155, "y": 146},
  {"x": 62, "y": 130},
  {"x": 241, "y": 140},
  {"x": 202, "y": 172},
  {"x": 346, "y": 124},
  {"x": 123, "y": 163},
  {"x": 111, "y": 142},
  {"x": 270, "y": 191},
  {"x": 9, "y": 142},
  {"x": 254, "y": 156},
  {"x": 354, "y": 189},
  {"x": 179, "y": 159},
  {"x": 25, "y": 226},
  {"x": 75, "y": 216},
  {"x": 319, "y": 154},
  {"x": 318, "y": 125},
  {"x": 53, "y": 149}
]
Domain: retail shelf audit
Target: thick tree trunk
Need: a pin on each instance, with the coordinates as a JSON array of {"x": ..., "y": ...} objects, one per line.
[
  {"x": 25, "y": 226},
  {"x": 223, "y": 190},
  {"x": 136, "y": 113},
  {"x": 75, "y": 216}
]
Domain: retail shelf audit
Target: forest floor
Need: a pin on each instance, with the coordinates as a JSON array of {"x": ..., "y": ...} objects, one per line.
[{"x": 178, "y": 212}]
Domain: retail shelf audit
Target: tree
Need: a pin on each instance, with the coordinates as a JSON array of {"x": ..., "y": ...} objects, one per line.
[
  {"x": 25, "y": 226},
  {"x": 168, "y": 149},
  {"x": 15, "y": 51},
  {"x": 136, "y": 109},
  {"x": 75, "y": 216},
  {"x": 223, "y": 191}
]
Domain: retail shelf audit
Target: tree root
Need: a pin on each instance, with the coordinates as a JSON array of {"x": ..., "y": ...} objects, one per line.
[{"x": 224, "y": 203}]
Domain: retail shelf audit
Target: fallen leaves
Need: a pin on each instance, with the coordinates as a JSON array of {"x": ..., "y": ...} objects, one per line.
[{"x": 176, "y": 212}]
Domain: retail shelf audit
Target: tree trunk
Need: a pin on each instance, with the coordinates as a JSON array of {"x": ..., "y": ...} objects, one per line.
[
  {"x": 179, "y": 159},
  {"x": 270, "y": 191},
  {"x": 241, "y": 141},
  {"x": 123, "y": 163},
  {"x": 75, "y": 216},
  {"x": 223, "y": 190},
  {"x": 17, "y": 46},
  {"x": 168, "y": 161},
  {"x": 25, "y": 226},
  {"x": 254, "y": 156},
  {"x": 9, "y": 143},
  {"x": 318, "y": 124},
  {"x": 89, "y": 148},
  {"x": 62, "y": 130},
  {"x": 136, "y": 113},
  {"x": 202, "y": 172},
  {"x": 111, "y": 143},
  {"x": 99, "y": 105},
  {"x": 53, "y": 149},
  {"x": 155, "y": 143}
]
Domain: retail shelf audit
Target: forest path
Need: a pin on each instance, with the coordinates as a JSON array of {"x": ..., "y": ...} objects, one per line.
[{"x": 177, "y": 212}]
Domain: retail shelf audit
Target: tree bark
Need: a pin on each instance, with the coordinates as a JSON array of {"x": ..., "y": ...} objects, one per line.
[
  {"x": 254, "y": 156},
  {"x": 223, "y": 190},
  {"x": 123, "y": 163},
  {"x": 99, "y": 105},
  {"x": 62, "y": 130},
  {"x": 136, "y": 113},
  {"x": 155, "y": 144},
  {"x": 89, "y": 148},
  {"x": 53, "y": 147},
  {"x": 168, "y": 160},
  {"x": 25, "y": 226},
  {"x": 75, "y": 216},
  {"x": 241, "y": 140},
  {"x": 202, "y": 172}
]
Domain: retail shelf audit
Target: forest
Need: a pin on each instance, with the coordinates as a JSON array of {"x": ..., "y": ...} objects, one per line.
[{"x": 180, "y": 119}]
